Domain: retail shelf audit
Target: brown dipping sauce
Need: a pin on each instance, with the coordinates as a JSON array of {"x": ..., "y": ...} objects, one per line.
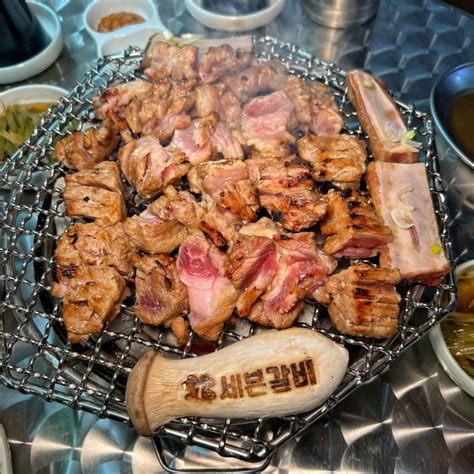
[
  {"x": 118, "y": 20},
  {"x": 461, "y": 123}
]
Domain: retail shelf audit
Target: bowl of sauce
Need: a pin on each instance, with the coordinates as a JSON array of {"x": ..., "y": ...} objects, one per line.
[{"x": 114, "y": 25}]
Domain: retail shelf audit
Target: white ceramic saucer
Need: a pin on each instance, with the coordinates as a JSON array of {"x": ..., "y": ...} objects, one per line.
[{"x": 33, "y": 66}]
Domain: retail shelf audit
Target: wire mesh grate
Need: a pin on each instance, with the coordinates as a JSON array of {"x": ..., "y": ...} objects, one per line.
[{"x": 36, "y": 357}]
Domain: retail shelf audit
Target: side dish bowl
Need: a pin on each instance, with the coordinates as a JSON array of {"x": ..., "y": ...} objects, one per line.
[
  {"x": 41, "y": 61},
  {"x": 459, "y": 376}
]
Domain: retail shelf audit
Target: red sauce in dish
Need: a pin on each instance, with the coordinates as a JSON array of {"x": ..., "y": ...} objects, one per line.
[{"x": 118, "y": 20}]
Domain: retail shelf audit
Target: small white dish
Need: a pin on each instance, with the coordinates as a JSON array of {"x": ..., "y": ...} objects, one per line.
[
  {"x": 32, "y": 94},
  {"x": 38, "y": 63},
  {"x": 234, "y": 22},
  {"x": 132, "y": 35},
  {"x": 461, "y": 378}
]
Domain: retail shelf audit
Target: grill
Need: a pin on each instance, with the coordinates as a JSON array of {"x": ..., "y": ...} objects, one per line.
[{"x": 35, "y": 356}]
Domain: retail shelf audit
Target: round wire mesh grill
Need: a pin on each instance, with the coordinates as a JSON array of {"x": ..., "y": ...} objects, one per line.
[{"x": 92, "y": 376}]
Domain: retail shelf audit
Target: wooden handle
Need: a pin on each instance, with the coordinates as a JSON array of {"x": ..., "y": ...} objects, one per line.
[{"x": 272, "y": 373}]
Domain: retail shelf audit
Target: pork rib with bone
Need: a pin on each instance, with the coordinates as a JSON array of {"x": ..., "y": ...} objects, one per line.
[{"x": 402, "y": 200}]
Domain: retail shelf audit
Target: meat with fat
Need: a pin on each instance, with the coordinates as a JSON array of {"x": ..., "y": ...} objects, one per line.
[
  {"x": 325, "y": 116},
  {"x": 95, "y": 193},
  {"x": 338, "y": 159},
  {"x": 149, "y": 167},
  {"x": 212, "y": 296},
  {"x": 83, "y": 150},
  {"x": 403, "y": 201},
  {"x": 380, "y": 119},
  {"x": 363, "y": 301},
  {"x": 351, "y": 227}
]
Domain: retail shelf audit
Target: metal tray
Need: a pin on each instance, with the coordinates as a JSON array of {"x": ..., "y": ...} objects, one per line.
[{"x": 92, "y": 376}]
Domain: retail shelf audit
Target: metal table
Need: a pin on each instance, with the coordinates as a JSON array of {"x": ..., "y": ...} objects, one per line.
[{"x": 412, "y": 418}]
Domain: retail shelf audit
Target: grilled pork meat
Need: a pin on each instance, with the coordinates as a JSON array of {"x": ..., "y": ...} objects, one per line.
[
  {"x": 251, "y": 265},
  {"x": 364, "y": 301},
  {"x": 211, "y": 295},
  {"x": 325, "y": 116},
  {"x": 219, "y": 224},
  {"x": 149, "y": 167},
  {"x": 221, "y": 60},
  {"x": 92, "y": 244},
  {"x": 339, "y": 159},
  {"x": 402, "y": 200},
  {"x": 204, "y": 138},
  {"x": 230, "y": 109},
  {"x": 302, "y": 269},
  {"x": 96, "y": 194},
  {"x": 266, "y": 121},
  {"x": 254, "y": 80},
  {"x": 286, "y": 190},
  {"x": 380, "y": 119},
  {"x": 151, "y": 234},
  {"x": 164, "y": 109},
  {"x": 160, "y": 294},
  {"x": 83, "y": 150},
  {"x": 206, "y": 100},
  {"x": 227, "y": 182},
  {"x": 91, "y": 296},
  {"x": 114, "y": 99},
  {"x": 351, "y": 227},
  {"x": 165, "y": 61}
]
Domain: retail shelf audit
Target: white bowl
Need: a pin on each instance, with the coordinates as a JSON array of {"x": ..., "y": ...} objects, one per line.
[
  {"x": 237, "y": 22},
  {"x": 38, "y": 63},
  {"x": 132, "y": 35},
  {"x": 32, "y": 94},
  {"x": 461, "y": 378}
]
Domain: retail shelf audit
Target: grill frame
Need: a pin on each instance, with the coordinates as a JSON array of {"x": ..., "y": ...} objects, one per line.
[{"x": 92, "y": 378}]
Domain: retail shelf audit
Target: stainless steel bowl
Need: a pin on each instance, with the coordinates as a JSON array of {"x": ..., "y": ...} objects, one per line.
[
  {"x": 340, "y": 13},
  {"x": 457, "y": 169}
]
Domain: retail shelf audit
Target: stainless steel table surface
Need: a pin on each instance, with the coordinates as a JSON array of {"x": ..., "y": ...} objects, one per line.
[{"x": 410, "y": 419}]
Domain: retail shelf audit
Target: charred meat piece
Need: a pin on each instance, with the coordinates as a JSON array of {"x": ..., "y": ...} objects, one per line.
[
  {"x": 211, "y": 295},
  {"x": 230, "y": 109},
  {"x": 92, "y": 244},
  {"x": 83, "y": 150},
  {"x": 221, "y": 60},
  {"x": 325, "y": 116},
  {"x": 364, "y": 301},
  {"x": 227, "y": 182},
  {"x": 251, "y": 266},
  {"x": 149, "y": 167},
  {"x": 380, "y": 119},
  {"x": 402, "y": 200},
  {"x": 204, "y": 138},
  {"x": 115, "y": 98},
  {"x": 286, "y": 190},
  {"x": 266, "y": 121},
  {"x": 351, "y": 227},
  {"x": 91, "y": 296},
  {"x": 165, "y": 61},
  {"x": 219, "y": 224},
  {"x": 96, "y": 194},
  {"x": 302, "y": 269},
  {"x": 253, "y": 80},
  {"x": 160, "y": 294},
  {"x": 339, "y": 159}
]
